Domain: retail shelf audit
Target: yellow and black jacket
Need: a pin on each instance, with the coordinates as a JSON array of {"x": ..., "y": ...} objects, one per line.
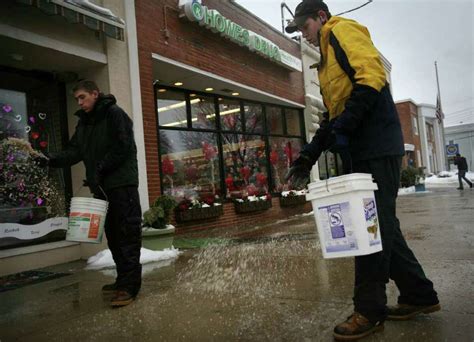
[{"x": 356, "y": 92}]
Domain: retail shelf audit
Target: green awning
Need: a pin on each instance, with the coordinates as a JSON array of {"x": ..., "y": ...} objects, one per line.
[{"x": 94, "y": 17}]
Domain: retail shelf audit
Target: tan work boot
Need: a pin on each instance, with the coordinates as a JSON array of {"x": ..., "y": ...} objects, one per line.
[
  {"x": 121, "y": 298},
  {"x": 355, "y": 327},
  {"x": 403, "y": 312}
]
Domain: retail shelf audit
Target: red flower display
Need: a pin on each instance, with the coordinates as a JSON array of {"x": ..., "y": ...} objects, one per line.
[
  {"x": 229, "y": 182},
  {"x": 191, "y": 173},
  {"x": 167, "y": 166},
  {"x": 261, "y": 179},
  {"x": 274, "y": 157},
  {"x": 245, "y": 172},
  {"x": 289, "y": 153},
  {"x": 252, "y": 190},
  {"x": 209, "y": 151}
]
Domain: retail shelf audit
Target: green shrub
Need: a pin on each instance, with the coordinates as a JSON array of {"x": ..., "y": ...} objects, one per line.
[
  {"x": 158, "y": 216},
  {"x": 408, "y": 177}
]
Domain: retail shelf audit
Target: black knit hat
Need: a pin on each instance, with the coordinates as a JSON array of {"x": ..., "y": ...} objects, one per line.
[{"x": 303, "y": 11}]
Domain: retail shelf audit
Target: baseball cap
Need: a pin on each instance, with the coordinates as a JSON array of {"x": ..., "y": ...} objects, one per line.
[{"x": 303, "y": 11}]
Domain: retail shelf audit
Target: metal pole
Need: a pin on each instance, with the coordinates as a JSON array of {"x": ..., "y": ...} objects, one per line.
[{"x": 442, "y": 118}]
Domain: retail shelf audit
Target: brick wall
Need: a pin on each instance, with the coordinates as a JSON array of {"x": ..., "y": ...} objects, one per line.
[
  {"x": 160, "y": 31},
  {"x": 407, "y": 111}
]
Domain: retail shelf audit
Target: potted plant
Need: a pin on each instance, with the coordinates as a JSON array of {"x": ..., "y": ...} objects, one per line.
[
  {"x": 420, "y": 180},
  {"x": 157, "y": 233},
  {"x": 253, "y": 203},
  {"x": 292, "y": 197},
  {"x": 194, "y": 209}
]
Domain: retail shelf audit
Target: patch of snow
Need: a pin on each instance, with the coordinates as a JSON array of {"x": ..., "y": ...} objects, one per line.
[
  {"x": 406, "y": 191},
  {"x": 104, "y": 259},
  {"x": 446, "y": 179}
]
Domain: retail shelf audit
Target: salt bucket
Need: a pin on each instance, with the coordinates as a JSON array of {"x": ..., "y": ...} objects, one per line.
[
  {"x": 346, "y": 215},
  {"x": 86, "y": 220}
]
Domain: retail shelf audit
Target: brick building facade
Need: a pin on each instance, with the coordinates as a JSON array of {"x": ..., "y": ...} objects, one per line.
[
  {"x": 187, "y": 68},
  {"x": 409, "y": 121}
]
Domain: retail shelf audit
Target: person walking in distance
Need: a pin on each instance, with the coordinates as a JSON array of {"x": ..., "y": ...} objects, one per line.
[
  {"x": 361, "y": 125},
  {"x": 461, "y": 162},
  {"x": 104, "y": 142}
]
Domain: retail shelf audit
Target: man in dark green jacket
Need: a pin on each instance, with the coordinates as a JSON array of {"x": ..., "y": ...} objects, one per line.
[{"x": 104, "y": 141}]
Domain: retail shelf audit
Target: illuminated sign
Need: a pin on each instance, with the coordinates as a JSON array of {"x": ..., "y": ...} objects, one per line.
[{"x": 217, "y": 23}]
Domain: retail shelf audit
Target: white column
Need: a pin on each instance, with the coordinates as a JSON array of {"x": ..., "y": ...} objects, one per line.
[{"x": 131, "y": 29}]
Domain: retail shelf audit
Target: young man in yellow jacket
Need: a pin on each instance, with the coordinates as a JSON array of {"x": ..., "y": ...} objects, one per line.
[{"x": 362, "y": 125}]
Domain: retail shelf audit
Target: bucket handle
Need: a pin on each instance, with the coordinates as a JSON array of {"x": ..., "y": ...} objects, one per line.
[
  {"x": 348, "y": 158},
  {"x": 100, "y": 188}
]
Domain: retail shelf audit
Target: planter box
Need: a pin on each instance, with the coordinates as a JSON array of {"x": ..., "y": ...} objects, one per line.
[
  {"x": 199, "y": 213},
  {"x": 247, "y": 207},
  {"x": 420, "y": 187},
  {"x": 290, "y": 201},
  {"x": 157, "y": 239}
]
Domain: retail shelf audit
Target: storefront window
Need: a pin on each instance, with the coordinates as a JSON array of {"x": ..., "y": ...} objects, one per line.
[
  {"x": 230, "y": 115},
  {"x": 32, "y": 197},
  {"x": 283, "y": 151},
  {"x": 203, "y": 112},
  {"x": 171, "y": 108},
  {"x": 293, "y": 123},
  {"x": 245, "y": 166},
  {"x": 274, "y": 120},
  {"x": 189, "y": 164},
  {"x": 253, "y": 118},
  {"x": 230, "y": 159}
]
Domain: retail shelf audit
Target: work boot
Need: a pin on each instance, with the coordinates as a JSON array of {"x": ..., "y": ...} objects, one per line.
[
  {"x": 355, "y": 327},
  {"x": 403, "y": 312},
  {"x": 121, "y": 298},
  {"x": 109, "y": 289}
]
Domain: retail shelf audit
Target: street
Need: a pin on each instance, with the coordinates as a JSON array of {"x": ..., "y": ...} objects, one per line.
[{"x": 265, "y": 283}]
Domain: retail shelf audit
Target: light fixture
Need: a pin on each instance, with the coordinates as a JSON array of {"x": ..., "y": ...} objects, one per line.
[
  {"x": 178, "y": 84},
  {"x": 235, "y": 94},
  {"x": 177, "y": 105},
  {"x": 161, "y": 90},
  {"x": 192, "y": 95},
  {"x": 209, "y": 89}
]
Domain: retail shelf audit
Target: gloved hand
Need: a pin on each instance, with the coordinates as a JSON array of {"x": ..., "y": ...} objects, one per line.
[
  {"x": 41, "y": 160},
  {"x": 299, "y": 172}
]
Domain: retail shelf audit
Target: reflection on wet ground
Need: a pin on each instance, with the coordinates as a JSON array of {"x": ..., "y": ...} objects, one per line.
[{"x": 266, "y": 283}]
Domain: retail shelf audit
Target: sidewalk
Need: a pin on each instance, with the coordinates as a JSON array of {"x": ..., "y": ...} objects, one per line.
[{"x": 267, "y": 283}]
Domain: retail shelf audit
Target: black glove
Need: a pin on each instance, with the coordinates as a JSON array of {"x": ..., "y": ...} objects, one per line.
[
  {"x": 299, "y": 172},
  {"x": 41, "y": 160}
]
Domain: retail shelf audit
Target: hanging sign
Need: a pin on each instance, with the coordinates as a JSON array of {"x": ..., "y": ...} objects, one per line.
[{"x": 194, "y": 11}]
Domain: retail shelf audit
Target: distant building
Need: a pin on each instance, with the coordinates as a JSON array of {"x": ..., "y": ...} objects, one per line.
[
  {"x": 423, "y": 136},
  {"x": 460, "y": 139}
]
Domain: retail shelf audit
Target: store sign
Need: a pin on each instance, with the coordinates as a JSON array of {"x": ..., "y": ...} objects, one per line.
[
  {"x": 29, "y": 232},
  {"x": 217, "y": 23}
]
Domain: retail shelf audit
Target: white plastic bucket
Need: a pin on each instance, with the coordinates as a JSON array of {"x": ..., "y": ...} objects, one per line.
[
  {"x": 346, "y": 215},
  {"x": 86, "y": 220}
]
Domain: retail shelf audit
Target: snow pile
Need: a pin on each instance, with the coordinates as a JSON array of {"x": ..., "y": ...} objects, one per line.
[
  {"x": 406, "y": 191},
  {"x": 446, "y": 179},
  {"x": 104, "y": 259}
]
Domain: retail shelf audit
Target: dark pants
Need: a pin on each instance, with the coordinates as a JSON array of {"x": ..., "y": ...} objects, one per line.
[
  {"x": 461, "y": 176},
  {"x": 396, "y": 261},
  {"x": 123, "y": 231}
]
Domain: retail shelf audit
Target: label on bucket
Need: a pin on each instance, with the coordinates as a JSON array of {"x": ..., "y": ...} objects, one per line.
[
  {"x": 339, "y": 234},
  {"x": 372, "y": 221},
  {"x": 84, "y": 224}
]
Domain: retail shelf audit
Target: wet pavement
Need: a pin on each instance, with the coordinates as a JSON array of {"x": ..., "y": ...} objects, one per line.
[{"x": 266, "y": 283}]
